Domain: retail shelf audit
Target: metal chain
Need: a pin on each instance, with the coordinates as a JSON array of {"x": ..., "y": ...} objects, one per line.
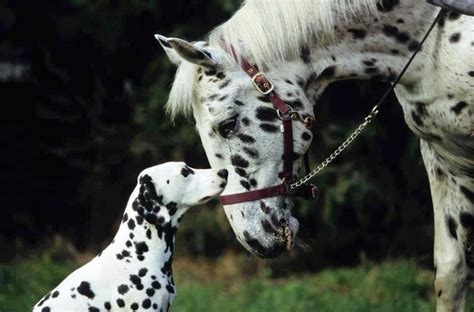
[
  {"x": 369, "y": 117},
  {"x": 338, "y": 151}
]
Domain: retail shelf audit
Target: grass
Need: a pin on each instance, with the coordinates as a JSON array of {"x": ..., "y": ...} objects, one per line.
[{"x": 389, "y": 286}]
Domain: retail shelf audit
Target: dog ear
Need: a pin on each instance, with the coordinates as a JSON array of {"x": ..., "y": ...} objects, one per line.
[{"x": 179, "y": 50}]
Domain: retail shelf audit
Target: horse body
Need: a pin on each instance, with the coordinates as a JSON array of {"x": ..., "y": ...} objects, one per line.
[{"x": 302, "y": 53}]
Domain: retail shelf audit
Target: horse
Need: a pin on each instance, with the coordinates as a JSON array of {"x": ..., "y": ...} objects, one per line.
[{"x": 302, "y": 47}]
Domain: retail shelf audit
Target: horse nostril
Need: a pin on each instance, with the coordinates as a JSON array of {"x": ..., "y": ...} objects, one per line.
[{"x": 223, "y": 173}]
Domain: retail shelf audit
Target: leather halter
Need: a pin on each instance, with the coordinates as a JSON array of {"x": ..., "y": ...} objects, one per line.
[{"x": 286, "y": 114}]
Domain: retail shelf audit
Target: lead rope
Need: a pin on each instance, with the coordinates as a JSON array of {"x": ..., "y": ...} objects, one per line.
[{"x": 370, "y": 117}]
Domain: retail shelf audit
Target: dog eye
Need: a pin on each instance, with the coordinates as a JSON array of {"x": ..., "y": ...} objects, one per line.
[{"x": 228, "y": 127}]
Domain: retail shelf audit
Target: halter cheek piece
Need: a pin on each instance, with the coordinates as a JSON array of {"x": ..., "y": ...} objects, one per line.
[
  {"x": 301, "y": 187},
  {"x": 287, "y": 115}
]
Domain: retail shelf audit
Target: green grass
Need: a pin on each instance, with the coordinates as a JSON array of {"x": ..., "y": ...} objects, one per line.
[{"x": 390, "y": 286}]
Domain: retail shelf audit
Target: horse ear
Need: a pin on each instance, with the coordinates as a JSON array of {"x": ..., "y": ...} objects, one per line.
[
  {"x": 184, "y": 50},
  {"x": 170, "y": 52}
]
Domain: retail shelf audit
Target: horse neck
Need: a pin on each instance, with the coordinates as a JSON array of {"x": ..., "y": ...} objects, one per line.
[{"x": 375, "y": 49}]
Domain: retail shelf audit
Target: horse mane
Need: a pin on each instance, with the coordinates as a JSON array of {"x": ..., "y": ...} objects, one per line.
[{"x": 271, "y": 31}]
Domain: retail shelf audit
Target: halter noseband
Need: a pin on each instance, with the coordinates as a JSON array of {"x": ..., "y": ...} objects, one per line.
[{"x": 287, "y": 115}]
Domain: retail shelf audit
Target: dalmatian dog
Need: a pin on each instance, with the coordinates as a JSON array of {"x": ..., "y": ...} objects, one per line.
[{"x": 134, "y": 272}]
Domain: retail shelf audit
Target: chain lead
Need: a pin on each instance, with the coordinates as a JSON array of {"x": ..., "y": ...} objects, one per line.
[{"x": 370, "y": 117}]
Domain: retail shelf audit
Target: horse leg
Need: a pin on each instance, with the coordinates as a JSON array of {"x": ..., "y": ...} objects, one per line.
[{"x": 454, "y": 231}]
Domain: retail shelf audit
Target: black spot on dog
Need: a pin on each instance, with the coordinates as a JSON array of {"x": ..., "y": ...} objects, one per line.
[
  {"x": 170, "y": 289},
  {"x": 471, "y": 73},
  {"x": 452, "y": 226},
  {"x": 150, "y": 292},
  {"x": 85, "y": 289},
  {"x": 156, "y": 285},
  {"x": 458, "y": 107},
  {"x": 122, "y": 289},
  {"x": 238, "y": 161},
  {"x": 454, "y": 38},
  {"x": 94, "y": 309},
  {"x": 172, "y": 208},
  {"x": 266, "y": 114},
  {"x": 146, "y": 304},
  {"x": 142, "y": 272},
  {"x": 46, "y": 309},
  {"x": 358, "y": 34},
  {"x": 134, "y": 306},
  {"x": 140, "y": 248},
  {"x": 107, "y": 305},
  {"x": 120, "y": 303},
  {"x": 55, "y": 294},
  {"x": 186, "y": 171},
  {"x": 125, "y": 218},
  {"x": 131, "y": 224},
  {"x": 268, "y": 128},
  {"x": 467, "y": 193}
]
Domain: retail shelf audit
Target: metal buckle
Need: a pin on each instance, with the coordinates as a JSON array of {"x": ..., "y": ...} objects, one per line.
[
  {"x": 288, "y": 115},
  {"x": 266, "y": 84}
]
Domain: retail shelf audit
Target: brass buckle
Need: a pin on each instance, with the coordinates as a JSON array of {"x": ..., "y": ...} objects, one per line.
[{"x": 266, "y": 84}]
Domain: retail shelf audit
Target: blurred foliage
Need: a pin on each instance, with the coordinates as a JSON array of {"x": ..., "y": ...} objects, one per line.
[
  {"x": 95, "y": 119},
  {"x": 390, "y": 286}
]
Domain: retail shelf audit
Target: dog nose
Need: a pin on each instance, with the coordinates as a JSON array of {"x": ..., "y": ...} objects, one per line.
[{"x": 223, "y": 173}]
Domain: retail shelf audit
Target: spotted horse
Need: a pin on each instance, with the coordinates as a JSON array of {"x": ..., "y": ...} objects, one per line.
[
  {"x": 302, "y": 47},
  {"x": 134, "y": 272}
]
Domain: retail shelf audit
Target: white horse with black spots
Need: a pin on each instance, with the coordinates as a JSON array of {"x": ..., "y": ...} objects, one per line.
[
  {"x": 303, "y": 46},
  {"x": 134, "y": 272}
]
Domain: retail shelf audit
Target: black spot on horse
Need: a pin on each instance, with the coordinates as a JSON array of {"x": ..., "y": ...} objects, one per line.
[
  {"x": 245, "y": 121},
  {"x": 387, "y": 5},
  {"x": 264, "y": 207},
  {"x": 453, "y": 16},
  {"x": 403, "y": 37},
  {"x": 417, "y": 119},
  {"x": 458, "y": 107},
  {"x": 238, "y": 161},
  {"x": 246, "y": 138},
  {"x": 239, "y": 103},
  {"x": 454, "y": 38},
  {"x": 328, "y": 72},
  {"x": 295, "y": 104},
  {"x": 85, "y": 289},
  {"x": 268, "y": 128},
  {"x": 305, "y": 54},
  {"x": 467, "y": 193},
  {"x": 219, "y": 156},
  {"x": 267, "y": 227},
  {"x": 413, "y": 45},
  {"x": 390, "y": 30},
  {"x": 306, "y": 136},
  {"x": 261, "y": 250},
  {"x": 467, "y": 221},
  {"x": 253, "y": 153},
  {"x": 241, "y": 172},
  {"x": 266, "y": 114},
  {"x": 245, "y": 184},
  {"x": 358, "y": 34},
  {"x": 452, "y": 226}
]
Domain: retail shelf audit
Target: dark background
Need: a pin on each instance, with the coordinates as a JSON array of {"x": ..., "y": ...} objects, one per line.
[{"x": 82, "y": 89}]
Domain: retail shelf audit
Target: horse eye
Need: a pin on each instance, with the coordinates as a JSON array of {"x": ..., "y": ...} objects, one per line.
[{"x": 228, "y": 127}]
